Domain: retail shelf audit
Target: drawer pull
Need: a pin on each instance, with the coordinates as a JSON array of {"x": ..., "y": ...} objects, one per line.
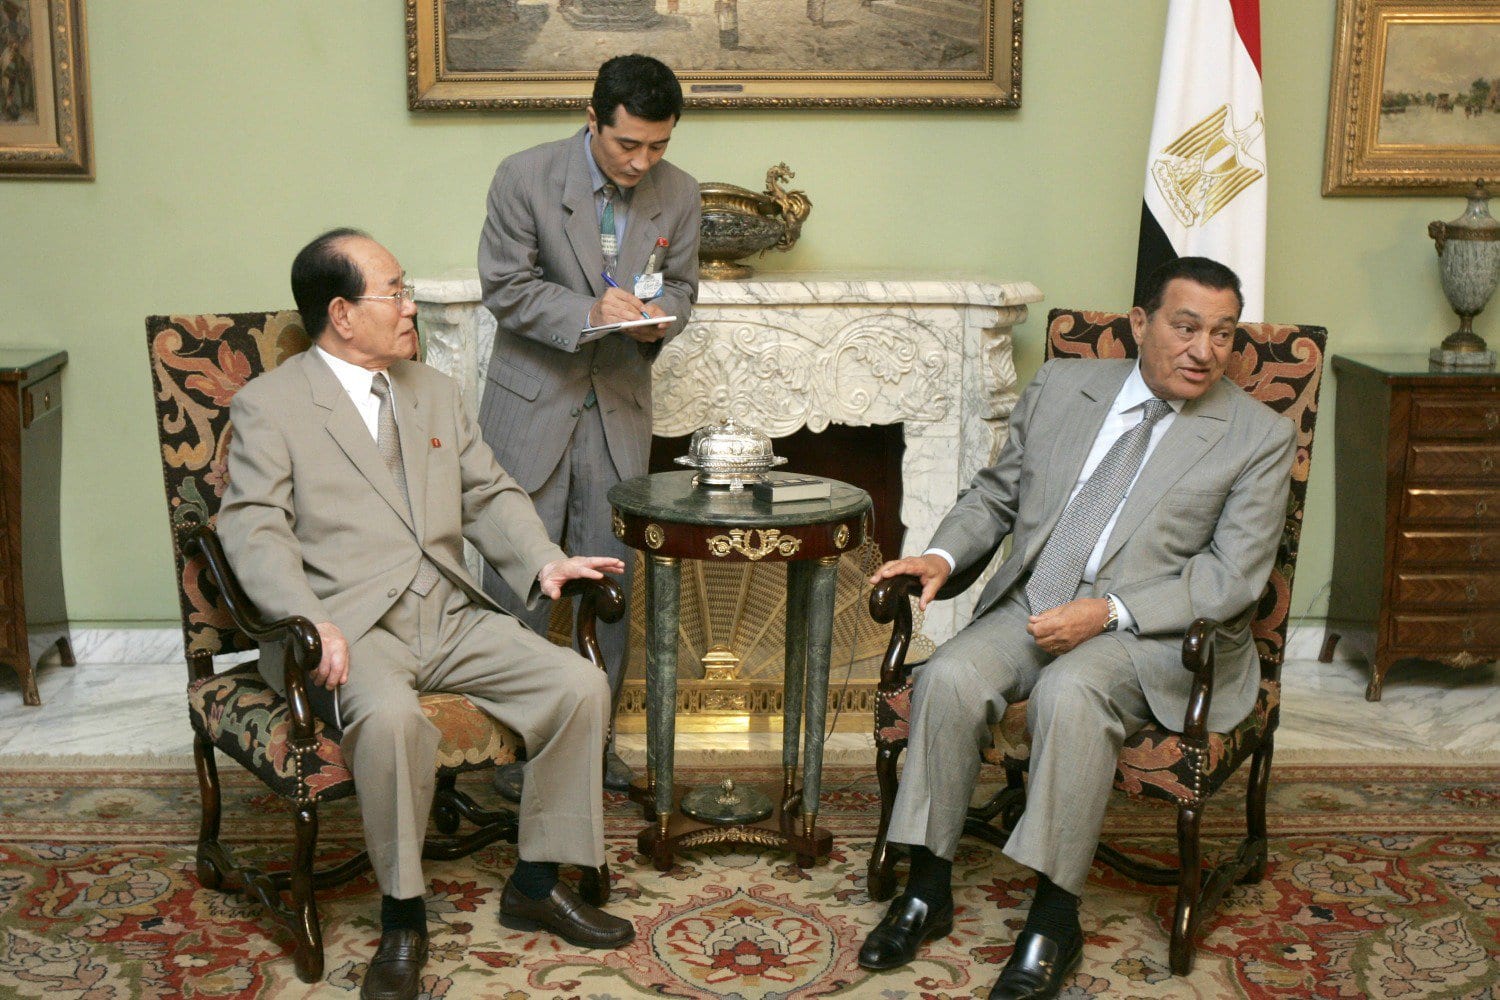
[
  {"x": 1471, "y": 592},
  {"x": 46, "y": 400},
  {"x": 1468, "y": 633},
  {"x": 1491, "y": 419},
  {"x": 1487, "y": 464},
  {"x": 1481, "y": 508},
  {"x": 1476, "y": 550}
]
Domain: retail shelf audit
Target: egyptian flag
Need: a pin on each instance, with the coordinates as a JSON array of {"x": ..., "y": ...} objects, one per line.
[{"x": 1206, "y": 168}]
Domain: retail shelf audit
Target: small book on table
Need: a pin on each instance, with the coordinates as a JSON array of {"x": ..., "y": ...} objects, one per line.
[{"x": 780, "y": 487}]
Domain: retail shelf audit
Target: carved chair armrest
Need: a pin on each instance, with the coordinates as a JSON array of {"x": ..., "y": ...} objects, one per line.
[
  {"x": 890, "y": 604},
  {"x": 302, "y": 647},
  {"x": 599, "y": 600},
  {"x": 1198, "y": 660}
]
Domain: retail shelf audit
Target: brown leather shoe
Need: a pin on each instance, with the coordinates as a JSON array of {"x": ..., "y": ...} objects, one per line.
[
  {"x": 395, "y": 973},
  {"x": 564, "y": 913}
]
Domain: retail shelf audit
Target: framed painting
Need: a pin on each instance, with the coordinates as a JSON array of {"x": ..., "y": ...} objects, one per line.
[
  {"x": 542, "y": 54},
  {"x": 44, "y": 90},
  {"x": 1414, "y": 106}
]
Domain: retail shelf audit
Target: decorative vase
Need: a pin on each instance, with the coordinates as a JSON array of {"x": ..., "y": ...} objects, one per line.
[
  {"x": 1468, "y": 251},
  {"x": 738, "y": 222}
]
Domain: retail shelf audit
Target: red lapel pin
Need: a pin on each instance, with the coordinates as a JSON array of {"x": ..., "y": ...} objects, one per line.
[{"x": 436, "y": 443}]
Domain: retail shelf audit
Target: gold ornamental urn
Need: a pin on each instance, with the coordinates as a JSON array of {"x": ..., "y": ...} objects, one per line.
[{"x": 738, "y": 222}]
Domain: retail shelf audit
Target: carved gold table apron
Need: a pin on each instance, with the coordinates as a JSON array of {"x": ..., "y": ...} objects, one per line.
[{"x": 669, "y": 519}]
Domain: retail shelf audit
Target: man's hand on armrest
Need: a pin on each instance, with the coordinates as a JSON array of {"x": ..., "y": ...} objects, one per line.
[
  {"x": 932, "y": 570},
  {"x": 333, "y": 668},
  {"x": 555, "y": 574}
]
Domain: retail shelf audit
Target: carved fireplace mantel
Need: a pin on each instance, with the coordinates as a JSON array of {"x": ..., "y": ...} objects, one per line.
[{"x": 787, "y": 351}]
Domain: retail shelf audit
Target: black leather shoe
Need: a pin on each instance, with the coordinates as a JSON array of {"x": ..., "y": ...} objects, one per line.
[
  {"x": 1037, "y": 967},
  {"x": 395, "y": 973},
  {"x": 906, "y": 925},
  {"x": 617, "y": 773},
  {"x": 507, "y": 780},
  {"x": 566, "y": 914}
]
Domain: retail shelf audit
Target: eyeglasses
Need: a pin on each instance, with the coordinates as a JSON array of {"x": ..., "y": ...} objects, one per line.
[{"x": 408, "y": 293}]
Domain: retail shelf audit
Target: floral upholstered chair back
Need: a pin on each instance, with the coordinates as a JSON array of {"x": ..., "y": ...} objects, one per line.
[
  {"x": 1282, "y": 367},
  {"x": 198, "y": 363}
]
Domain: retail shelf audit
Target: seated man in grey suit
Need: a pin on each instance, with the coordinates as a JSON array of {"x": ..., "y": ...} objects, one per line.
[
  {"x": 589, "y": 230},
  {"x": 1138, "y": 496},
  {"x": 355, "y": 476}
]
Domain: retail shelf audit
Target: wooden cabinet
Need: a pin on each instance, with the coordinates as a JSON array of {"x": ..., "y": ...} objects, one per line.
[
  {"x": 1416, "y": 563},
  {"x": 33, "y": 613}
]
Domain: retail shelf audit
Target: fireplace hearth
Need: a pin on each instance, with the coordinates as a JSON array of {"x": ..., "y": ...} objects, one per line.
[{"x": 903, "y": 386}]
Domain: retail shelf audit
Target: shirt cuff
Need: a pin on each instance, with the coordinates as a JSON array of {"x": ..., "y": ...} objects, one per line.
[
  {"x": 948, "y": 556},
  {"x": 1123, "y": 618}
]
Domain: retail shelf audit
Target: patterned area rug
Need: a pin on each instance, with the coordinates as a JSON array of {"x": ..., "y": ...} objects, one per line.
[{"x": 1384, "y": 882}]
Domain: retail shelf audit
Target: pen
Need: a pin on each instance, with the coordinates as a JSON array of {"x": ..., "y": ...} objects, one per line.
[{"x": 611, "y": 283}]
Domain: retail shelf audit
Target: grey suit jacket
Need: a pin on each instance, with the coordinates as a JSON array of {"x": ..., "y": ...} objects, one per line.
[
  {"x": 1196, "y": 537},
  {"x": 315, "y": 525},
  {"x": 540, "y": 268}
]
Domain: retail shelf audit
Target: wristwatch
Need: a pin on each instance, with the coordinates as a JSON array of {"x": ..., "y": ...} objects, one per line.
[{"x": 1113, "y": 621}]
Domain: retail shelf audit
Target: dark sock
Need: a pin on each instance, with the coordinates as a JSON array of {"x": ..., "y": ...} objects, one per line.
[
  {"x": 931, "y": 877},
  {"x": 403, "y": 914},
  {"x": 535, "y": 879},
  {"x": 1054, "y": 912}
]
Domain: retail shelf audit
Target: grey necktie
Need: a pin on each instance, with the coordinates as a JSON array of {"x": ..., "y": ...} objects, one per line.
[
  {"x": 389, "y": 444},
  {"x": 1059, "y": 568},
  {"x": 609, "y": 243}
]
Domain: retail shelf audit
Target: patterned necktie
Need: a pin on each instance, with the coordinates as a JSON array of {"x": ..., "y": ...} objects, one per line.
[
  {"x": 609, "y": 243},
  {"x": 389, "y": 444},
  {"x": 1059, "y": 568}
]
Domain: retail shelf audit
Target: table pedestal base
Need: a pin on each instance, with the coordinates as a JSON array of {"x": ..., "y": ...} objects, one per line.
[{"x": 784, "y": 828}]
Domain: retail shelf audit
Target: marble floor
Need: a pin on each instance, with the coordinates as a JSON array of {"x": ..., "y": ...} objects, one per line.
[{"x": 1428, "y": 713}]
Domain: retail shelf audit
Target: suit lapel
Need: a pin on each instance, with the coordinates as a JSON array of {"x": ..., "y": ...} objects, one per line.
[
  {"x": 582, "y": 225},
  {"x": 348, "y": 430},
  {"x": 1193, "y": 434},
  {"x": 640, "y": 237},
  {"x": 411, "y": 425},
  {"x": 1075, "y": 439}
]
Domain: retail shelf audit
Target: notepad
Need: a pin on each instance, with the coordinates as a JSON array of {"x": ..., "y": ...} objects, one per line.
[{"x": 627, "y": 324}]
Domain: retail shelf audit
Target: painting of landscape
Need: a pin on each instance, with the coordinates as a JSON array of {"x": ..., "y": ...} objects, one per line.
[
  {"x": 1441, "y": 85},
  {"x": 933, "y": 52}
]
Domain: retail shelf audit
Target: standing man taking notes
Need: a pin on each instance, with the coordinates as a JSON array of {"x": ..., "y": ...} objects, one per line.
[{"x": 583, "y": 232}]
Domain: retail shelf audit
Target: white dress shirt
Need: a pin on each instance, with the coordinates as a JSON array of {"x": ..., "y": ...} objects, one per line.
[
  {"x": 356, "y": 382},
  {"x": 1125, "y": 412}
]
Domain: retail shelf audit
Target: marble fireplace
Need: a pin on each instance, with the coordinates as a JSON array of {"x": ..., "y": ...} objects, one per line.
[{"x": 785, "y": 353}]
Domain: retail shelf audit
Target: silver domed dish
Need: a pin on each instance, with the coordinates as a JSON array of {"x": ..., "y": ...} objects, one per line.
[{"x": 728, "y": 455}]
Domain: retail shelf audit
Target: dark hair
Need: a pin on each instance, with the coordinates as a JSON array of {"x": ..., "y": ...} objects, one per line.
[
  {"x": 1202, "y": 270},
  {"x": 322, "y": 272},
  {"x": 646, "y": 87}
]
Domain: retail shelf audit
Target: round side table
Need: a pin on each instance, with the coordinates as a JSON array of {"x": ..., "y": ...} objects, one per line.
[{"x": 669, "y": 519}]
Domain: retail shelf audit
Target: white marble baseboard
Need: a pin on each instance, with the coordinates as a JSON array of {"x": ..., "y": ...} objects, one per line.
[
  {"x": 164, "y": 645},
  {"x": 115, "y": 645}
]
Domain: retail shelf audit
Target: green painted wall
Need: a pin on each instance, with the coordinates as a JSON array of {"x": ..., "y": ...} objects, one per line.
[{"x": 226, "y": 139}]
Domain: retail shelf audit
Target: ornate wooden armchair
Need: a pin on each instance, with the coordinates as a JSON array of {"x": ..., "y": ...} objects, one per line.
[
  {"x": 1281, "y": 366},
  {"x": 197, "y": 364}
]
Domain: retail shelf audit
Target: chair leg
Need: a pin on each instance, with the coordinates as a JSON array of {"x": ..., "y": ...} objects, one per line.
[
  {"x": 593, "y": 885},
  {"x": 304, "y": 925},
  {"x": 210, "y": 865},
  {"x": 1190, "y": 876},
  {"x": 1256, "y": 846},
  {"x": 444, "y": 812},
  {"x": 880, "y": 880}
]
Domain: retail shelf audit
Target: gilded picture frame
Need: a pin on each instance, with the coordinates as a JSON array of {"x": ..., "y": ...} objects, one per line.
[
  {"x": 1414, "y": 104},
  {"x": 543, "y": 54},
  {"x": 45, "y": 129}
]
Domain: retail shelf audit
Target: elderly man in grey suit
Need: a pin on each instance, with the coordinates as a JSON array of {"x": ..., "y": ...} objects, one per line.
[
  {"x": 1138, "y": 496},
  {"x": 355, "y": 476},
  {"x": 579, "y": 233}
]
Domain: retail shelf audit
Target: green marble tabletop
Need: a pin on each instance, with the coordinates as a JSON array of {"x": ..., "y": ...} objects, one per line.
[{"x": 671, "y": 496}]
